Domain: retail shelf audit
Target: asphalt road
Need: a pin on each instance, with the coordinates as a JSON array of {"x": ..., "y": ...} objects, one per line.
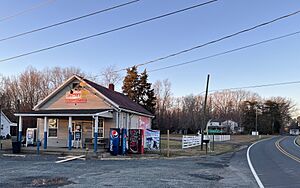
[
  {"x": 277, "y": 162},
  {"x": 227, "y": 170}
]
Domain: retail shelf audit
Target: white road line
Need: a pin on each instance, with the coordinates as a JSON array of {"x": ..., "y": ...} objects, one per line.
[
  {"x": 295, "y": 142},
  {"x": 251, "y": 166}
]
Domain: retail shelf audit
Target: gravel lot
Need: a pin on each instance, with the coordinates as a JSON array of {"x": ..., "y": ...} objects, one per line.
[{"x": 227, "y": 170}]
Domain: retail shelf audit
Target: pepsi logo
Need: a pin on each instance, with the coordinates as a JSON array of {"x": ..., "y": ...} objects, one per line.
[{"x": 114, "y": 133}]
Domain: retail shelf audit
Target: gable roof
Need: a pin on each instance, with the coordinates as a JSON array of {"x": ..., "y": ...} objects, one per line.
[
  {"x": 117, "y": 99},
  {"x": 120, "y": 99},
  {"x": 5, "y": 117},
  {"x": 69, "y": 80}
]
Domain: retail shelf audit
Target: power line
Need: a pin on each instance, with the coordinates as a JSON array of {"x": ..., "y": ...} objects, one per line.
[
  {"x": 26, "y": 10},
  {"x": 69, "y": 20},
  {"x": 220, "y": 39},
  {"x": 226, "y": 52},
  {"x": 256, "y": 86},
  {"x": 109, "y": 31},
  {"x": 215, "y": 41}
]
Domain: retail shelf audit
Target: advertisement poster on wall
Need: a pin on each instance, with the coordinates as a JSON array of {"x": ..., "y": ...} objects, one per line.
[
  {"x": 152, "y": 139},
  {"x": 144, "y": 123}
]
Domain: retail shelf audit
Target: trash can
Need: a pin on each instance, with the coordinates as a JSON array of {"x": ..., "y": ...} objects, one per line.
[{"x": 16, "y": 147}]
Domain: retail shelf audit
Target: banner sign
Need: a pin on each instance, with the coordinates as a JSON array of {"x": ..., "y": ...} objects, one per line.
[
  {"x": 152, "y": 139},
  {"x": 76, "y": 96}
]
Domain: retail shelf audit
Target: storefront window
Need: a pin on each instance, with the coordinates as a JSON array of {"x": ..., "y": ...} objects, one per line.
[
  {"x": 52, "y": 123},
  {"x": 100, "y": 128}
]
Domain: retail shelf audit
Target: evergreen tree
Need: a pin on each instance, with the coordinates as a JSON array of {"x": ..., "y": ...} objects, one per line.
[
  {"x": 138, "y": 89},
  {"x": 146, "y": 94},
  {"x": 130, "y": 84}
]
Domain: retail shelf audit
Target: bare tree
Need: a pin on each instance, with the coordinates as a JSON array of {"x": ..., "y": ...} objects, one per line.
[
  {"x": 110, "y": 76},
  {"x": 162, "y": 90},
  {"x": 57, "y": 75}
]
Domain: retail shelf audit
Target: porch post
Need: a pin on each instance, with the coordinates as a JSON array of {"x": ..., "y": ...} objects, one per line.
[
  {"x": 20, "y": 129},
  {"x": 127, "y": 121},
  {"x": 45, "y": 132},
  {"x": 117, "y": 120},
  {"x": 70, "y": 133},
  {"x": 96, "y": 134}
]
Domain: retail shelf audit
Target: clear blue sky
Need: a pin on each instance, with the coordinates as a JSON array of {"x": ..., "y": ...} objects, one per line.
[{"x": 269, "y": 63}]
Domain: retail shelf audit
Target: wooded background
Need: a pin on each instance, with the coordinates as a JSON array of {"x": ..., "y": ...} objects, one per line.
[{"x": 22, "y": 92}]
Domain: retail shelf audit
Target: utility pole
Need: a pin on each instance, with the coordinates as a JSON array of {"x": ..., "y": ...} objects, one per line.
[
  {"x": 256, "y": 120},
  {"x": 204, "y": 112},
  {"x": 1, "y": 126}
]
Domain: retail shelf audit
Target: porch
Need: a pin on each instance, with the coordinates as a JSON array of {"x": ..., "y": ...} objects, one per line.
[{"x": 60, "y": 130}]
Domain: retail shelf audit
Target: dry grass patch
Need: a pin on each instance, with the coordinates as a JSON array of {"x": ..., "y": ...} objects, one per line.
[
  {"x": 241, "y": 139},
  {"x": 6, "y": 144},
  {"x": 176, "y": 149},
  {"x": 220, "y": 147}
]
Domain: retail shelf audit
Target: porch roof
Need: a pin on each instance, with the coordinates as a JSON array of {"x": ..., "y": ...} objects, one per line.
[{"x": 68, "y": 112}]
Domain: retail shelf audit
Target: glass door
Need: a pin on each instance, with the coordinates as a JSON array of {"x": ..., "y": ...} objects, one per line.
[{"x": 77, "y": 134}]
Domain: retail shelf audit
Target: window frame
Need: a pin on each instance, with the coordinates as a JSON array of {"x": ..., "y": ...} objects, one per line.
[
  {"x": 57, "y": 122},
  {"x": 93, "y": 128}
]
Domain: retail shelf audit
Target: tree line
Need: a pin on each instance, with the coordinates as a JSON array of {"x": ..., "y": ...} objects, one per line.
[
  {"x": 243, "y": 107},
  {"x": 22, "y": 92},
  {"x": 19, "y": 93}
]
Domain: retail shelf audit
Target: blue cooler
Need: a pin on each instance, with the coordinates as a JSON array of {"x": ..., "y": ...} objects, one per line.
[
  {"x": 123, "y": 149},
  {"x": 114, "y": 141}
]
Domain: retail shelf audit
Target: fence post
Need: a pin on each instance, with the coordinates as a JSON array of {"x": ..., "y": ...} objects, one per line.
[
  {"x": 160, "y": 143},
  {"x": 168, "y": 151},
  {"x": 213, "y": 139}
]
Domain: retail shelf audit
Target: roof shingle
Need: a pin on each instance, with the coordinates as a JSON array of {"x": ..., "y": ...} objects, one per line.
[{"x": 120, "y": 99}]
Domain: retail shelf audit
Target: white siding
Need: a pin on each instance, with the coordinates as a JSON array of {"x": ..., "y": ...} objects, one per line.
[{"x": 6, "y": 126}]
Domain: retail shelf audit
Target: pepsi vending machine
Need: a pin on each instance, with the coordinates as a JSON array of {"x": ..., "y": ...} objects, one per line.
[
  {"x": 123, "y": 149},
  {"x": 114, "y": 141},
  {"x": 136, "y": 141}
]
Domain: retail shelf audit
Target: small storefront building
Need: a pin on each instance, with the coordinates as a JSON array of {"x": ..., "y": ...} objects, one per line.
[{"x": 80, "y": 113}]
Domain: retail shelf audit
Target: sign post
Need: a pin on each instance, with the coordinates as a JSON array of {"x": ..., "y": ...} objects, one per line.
[{"x": 168, "y": 133}]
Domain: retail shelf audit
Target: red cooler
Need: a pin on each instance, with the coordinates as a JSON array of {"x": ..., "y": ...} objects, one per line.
[{"x": 136, "y": 141}]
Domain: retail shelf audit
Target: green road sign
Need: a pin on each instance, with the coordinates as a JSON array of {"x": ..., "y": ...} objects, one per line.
[{"x": 214, "y": 131}]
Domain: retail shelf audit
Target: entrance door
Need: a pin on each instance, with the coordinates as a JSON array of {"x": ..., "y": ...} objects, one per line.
[{"x": 77, "y": 134}]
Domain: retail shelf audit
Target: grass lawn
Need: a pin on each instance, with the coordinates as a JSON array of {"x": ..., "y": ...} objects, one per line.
[
  {"x": 173, "y": 135},
  {"x": 240, "y": 139},
  {"x": 220, "y": 147}
]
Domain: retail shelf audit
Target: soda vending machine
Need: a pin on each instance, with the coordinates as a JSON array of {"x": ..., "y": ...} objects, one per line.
[
  {"x": 123, "y": 149},
  {"x": 114, "y": 141},
  {"x": 136, "y": 141}
]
